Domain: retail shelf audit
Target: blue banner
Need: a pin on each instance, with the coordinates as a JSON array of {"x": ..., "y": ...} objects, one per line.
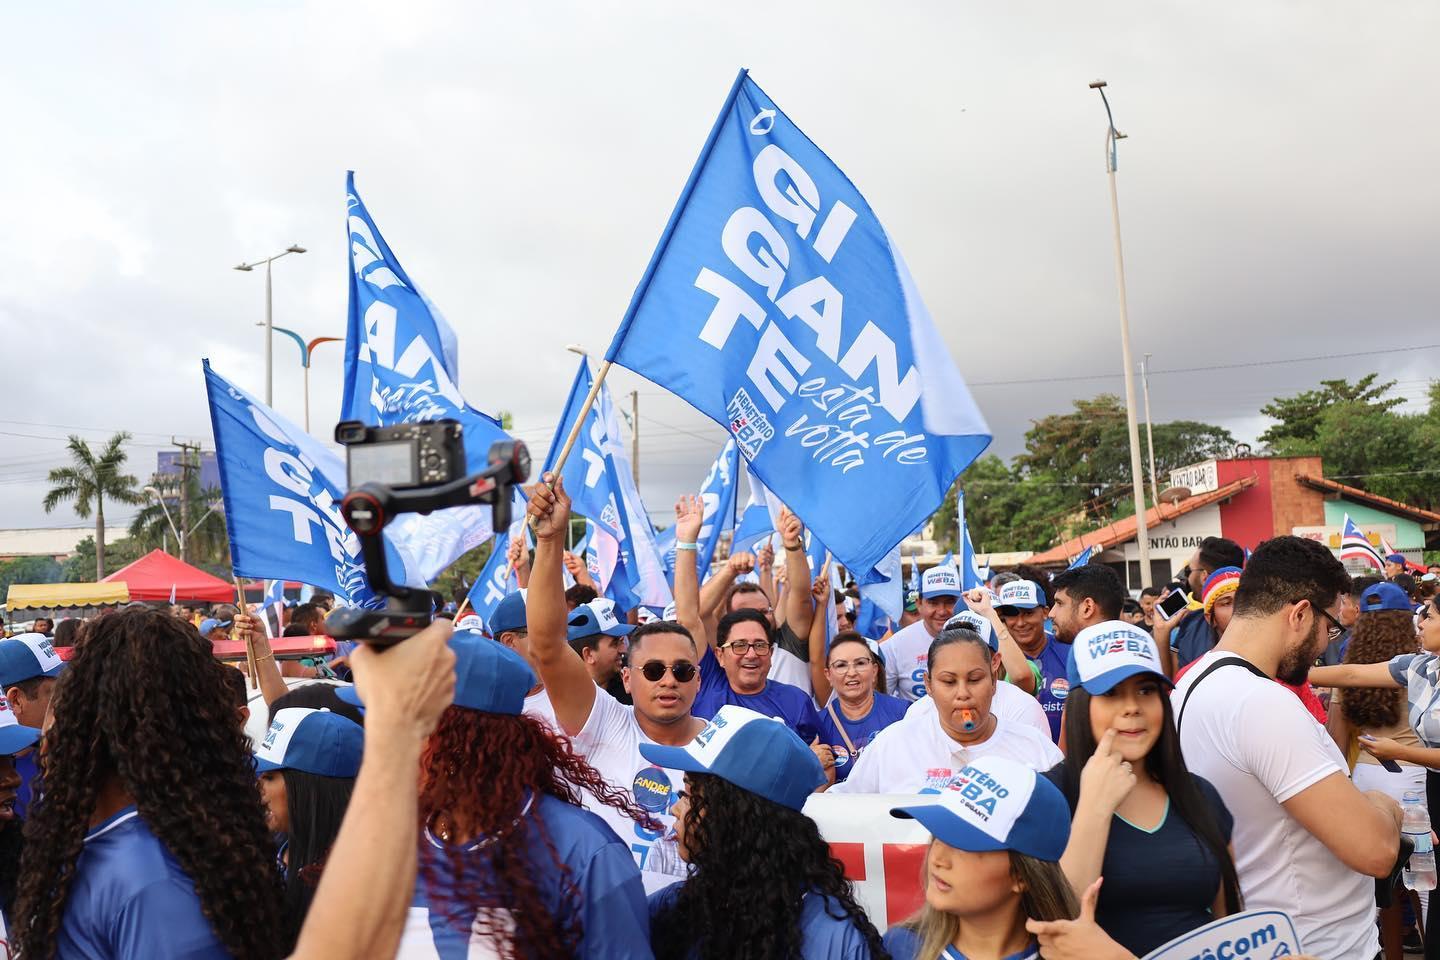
[
  {"x": 1084, "y": 557},
  {"x": 757, "y": 520},
  {"x": 776, "y": 304},
  {"x": 497, "y": 580},
  {"x": 282, "y": 492},
  {"x": 401, "y": 366},
  {"x": 717, "y": 494},
  {"x": 971, "y": 576}
]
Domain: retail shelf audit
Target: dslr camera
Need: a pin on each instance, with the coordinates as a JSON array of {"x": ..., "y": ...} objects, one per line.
[{"x": 412, "y": 468}]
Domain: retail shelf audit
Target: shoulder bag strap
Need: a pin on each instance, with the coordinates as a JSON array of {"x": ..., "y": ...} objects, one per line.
[
  {"x": 1222, "y": 662},
  {"x": 830, "y": 708}
]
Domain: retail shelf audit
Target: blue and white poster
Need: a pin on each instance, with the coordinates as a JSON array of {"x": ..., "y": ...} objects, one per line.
[
  {"x": 777, "y": 304},
  {"x": 1253, "y": 935}
]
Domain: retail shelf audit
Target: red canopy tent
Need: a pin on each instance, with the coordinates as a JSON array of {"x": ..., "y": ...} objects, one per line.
[{"x": 157, "y": 574}]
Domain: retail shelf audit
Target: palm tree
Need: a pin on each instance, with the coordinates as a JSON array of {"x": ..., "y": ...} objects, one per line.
[{"x": 89, "y": 480}]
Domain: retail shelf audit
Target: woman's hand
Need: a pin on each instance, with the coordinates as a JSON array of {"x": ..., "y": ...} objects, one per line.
[
  {"x": 1381, "y": 748},
  {"x": 1078, "y": 939},
  {"x": 1107, "y": 778}
]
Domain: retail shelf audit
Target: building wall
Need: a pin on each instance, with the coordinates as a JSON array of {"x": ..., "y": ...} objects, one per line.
[
  {"x": 1409, "y": 534},
  {"x": 1275, "y": 504}
]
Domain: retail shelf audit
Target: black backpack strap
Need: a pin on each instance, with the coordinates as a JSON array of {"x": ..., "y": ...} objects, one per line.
[{"x": 1221, "y": 662}]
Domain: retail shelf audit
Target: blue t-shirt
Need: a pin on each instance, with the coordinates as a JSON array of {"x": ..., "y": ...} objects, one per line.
[
  {"x": 1192, "y": 638},
  {"x": 29, "y": 772},
  {"x": 826, "y": 932},
  {"x": 614, "y": 922},
  {"x": 1054, "y": 681},
  {"x": 885, "y": 711},
  {"x": 790, "y": 704},
  {"x": 904, "y": 944},
  {"x": 130, "y": 899}
]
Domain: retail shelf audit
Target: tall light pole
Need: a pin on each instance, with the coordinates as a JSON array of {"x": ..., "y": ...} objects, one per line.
[
  {"x": 1149, "y": 429},
  {"x": 269, "y": 314},
  {"x": 179, "y": 538},
  {"x": 307, "y": 353},
  {"x": 1142, "y": 535}
]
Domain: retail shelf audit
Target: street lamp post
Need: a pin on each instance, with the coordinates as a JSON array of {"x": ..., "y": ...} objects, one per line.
[
  {"x": 179, "y": 537},
  {"x": 269, "y": 313},
  {"x": 307, "y": 352},
  {"x": 1142, "y": 535}
]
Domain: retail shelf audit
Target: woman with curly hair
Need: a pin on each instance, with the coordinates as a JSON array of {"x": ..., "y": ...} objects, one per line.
[
  {"x": 762, "y": 882},
  {"x": 509, "y": 863},
  {"x": 150, "y": 840},
  {"x": 992, "y": 865}
]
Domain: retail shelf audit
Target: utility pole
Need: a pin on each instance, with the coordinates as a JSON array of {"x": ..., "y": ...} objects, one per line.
[
  {"x": 635, "y": 436},
  {"x": 186, "y": 466},
  {"x": 1149, "y": 431}
]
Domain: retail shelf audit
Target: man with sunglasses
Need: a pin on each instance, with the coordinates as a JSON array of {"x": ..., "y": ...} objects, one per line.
[
  {"x": 662, "y": 678},
  {"x": 1306, "y": 840}
]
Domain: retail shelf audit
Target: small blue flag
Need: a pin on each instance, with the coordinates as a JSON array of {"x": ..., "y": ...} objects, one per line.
[
  {"x": 971, "y": 576},
  {"x": 1084, "y": 557},
  {"x": 717, "y": 494},
  {"x": 777, "y": 305}
]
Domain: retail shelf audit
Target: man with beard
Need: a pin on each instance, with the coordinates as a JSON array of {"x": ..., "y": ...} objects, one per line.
[{"x": 1306, "y": 840}]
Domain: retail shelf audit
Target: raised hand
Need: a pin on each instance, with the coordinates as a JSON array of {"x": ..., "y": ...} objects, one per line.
[
  {"x": 689, "y": 518},
  {"x": 792, "y": 531},
  {"x": 1078, "y": 939},
  {"x": 741, "y": 562},
  {"x": 981, "y": 602},
  {"x": 549, "y": 509},
  {"x": 1107, "y": 778},
  {"x": 820, "y": 589},
  {"x": 766, "y": 557},
  {"x": 517, "y": 555}
]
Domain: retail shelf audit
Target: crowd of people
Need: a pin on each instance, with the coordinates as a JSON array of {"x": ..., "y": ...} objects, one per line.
[{"x": 1096, "y": 779}]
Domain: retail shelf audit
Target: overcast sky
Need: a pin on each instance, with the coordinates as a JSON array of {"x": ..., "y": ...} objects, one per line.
[{"x": 1278, "y": 192}]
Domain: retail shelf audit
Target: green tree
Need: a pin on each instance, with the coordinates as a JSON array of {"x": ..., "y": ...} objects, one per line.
[
  {"x": 455, "y": 581},
  {"x": 1299, "y": 417},
  {"x": 28, "y": 570},
  {"x": 207, "y": 543},
  {"x": 88, "y": 481},
  {"x": 79, "y": 567}
]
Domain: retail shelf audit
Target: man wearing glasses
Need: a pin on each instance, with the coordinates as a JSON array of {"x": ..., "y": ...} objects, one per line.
[
  {"x": 856, "y": 712},
  {"x": 662, "y": 678},
  {"x": 1306, "y": 841}
]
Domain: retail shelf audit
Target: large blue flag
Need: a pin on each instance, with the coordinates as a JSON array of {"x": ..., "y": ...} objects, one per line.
[
  {"x": 497, "y": 579},
  {"x": 757, "y": 521},
  {"x": 971, "y": 576},
  {"x": 717, "y": 495},
  {"x": 776, "y": 304},
  {"x": 282, "y": 492},
  {"x": 401, "y": 366},
  {"x": 622, "y": 543}
]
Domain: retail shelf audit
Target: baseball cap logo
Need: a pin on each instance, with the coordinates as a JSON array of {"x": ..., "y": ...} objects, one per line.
[
  {"x": 704, "y": 737},
  {"x": 1119, "y": 641},
  {"x": 980, "y": 790},
  {"x": 272, "y": 733}
]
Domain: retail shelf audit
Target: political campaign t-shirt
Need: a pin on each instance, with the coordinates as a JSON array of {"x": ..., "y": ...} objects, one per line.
[
  {"x": 884, "y": 711},
  {"x": 538, "y": 705},
  {"x": 610, "y": 742},
  {"x": 790, "y": 661},
  {"x": 1254, "y": 741},
  {"x": 1054, "y": 686},
  {"x": 1009, "y": 703},
  {"x": 29, "y": 783},
  {"x": 1143, "y": 908},
  {"x": 791, "y": 705},
  {"x": 906, "y": 656},
  {"x": 129, "y": 898},
  {"x": 1192, "y": 638},
  {"x": 825, "y": 930},
  {"x": 903, "y": 943},
  {"x": 609, "y": 905}
]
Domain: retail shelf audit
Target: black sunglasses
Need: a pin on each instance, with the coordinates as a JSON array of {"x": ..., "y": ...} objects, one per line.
[{"x": 682, "y": 670}]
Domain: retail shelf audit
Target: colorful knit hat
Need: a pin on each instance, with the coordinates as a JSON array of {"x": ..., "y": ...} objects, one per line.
[{"x": 1223, "y": 581}]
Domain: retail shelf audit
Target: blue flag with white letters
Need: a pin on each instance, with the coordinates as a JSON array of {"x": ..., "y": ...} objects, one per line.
[
  {"x": 777, "y": 305},
  {"x": 717, "y": 496},
  {"x": 1084, "y": 557},
  {"x": 401, "y": 366},
  {"x": 757, "y": 521},
  {"x": 282, "y": 492},
  {"x": 497, "y": 579}
]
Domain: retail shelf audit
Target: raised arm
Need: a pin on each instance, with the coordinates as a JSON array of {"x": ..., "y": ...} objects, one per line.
[
  {"x": 1017, "y": 667},
  {"x": 689, "y": 517},
  {"x": 572, "y": 692},
  {"x": 714, "y": 590},
  {"x": 1353, "y": 675},
  {"x": 272, "y": 683},
  {"x": 799, "y": 611},
  {"x": 819, "y": 678},
  {"x": 519, "y": 559}
]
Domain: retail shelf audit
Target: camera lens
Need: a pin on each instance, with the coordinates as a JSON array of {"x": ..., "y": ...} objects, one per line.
[{"x": 349, "y": 431}]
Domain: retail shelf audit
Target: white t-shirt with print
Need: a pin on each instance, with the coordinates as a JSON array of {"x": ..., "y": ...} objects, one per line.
[
  {"x": 610, "y": 742},
  {"x": 915, "y": 755},
  {"x": 1009, "y": 703},
  {"x": 906, "y": 655},
  {"x": 1259, "y": 746}
]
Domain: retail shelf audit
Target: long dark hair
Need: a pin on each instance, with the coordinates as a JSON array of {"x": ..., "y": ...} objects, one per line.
[
  {"x": 317, "y": 806},
  {"x": 753, "y": 862},
  {"x": 1166, "y": 766},
  {"x": 482, "y": 770},
  {"x": 12, "y": 846},
  {"x": 145, "y": 702}
]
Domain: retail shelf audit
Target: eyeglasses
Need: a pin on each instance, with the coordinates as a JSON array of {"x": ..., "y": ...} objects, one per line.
[
  {"x": 1336, "y": 629},
  {"x": 744, "y": 646},
  {"x": 682, "y": 670},
  {"x": 859, "y": 663}
]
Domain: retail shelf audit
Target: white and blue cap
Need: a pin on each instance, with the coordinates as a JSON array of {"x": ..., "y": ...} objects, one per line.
[
  {"x": 969, "y": 620},
  {"x": 14, "y": 737},
  {"x": 1022, "y": 595},
  {"x": 997, "y": 804},
  {"x": 26, "y": 657},
  {"x": 1105, "y": 654},
  {"x": 311, "y": 741},
  {"x": 750, "y": 750},
  {"x": 941, "y": 581},
  {"x": 597, "y": 616},
  {"x": 489, "y": 676}
]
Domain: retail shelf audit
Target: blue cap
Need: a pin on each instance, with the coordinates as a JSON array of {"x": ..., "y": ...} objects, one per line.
[
  {"x": 26, "y": 657},
  {"x": 997, "y": 804},
  {"x": 597, "y": 616},
  {"x": 489, "y": 676},
  {"x": 311, "y": 741},
  {"x": 968, "y": 620},
  {"x": 1105, "y": 654},
  {"x": 509, "y": 615},
  {"x": 13, "y": 736},
  {"x": 941, "y": 581},
  {"x": 208, "y": 625},
  {"x": 750, "y": 750},
  {"x": 1385, "y": 596},
  {"x": 1396, "y": 558}
]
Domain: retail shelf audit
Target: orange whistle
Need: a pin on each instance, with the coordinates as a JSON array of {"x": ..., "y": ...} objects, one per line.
[{"x": 969, "y": 720}]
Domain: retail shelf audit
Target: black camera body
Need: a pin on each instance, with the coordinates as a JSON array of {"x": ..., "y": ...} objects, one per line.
[
  {"x": 412, "y": 468},
  {"x": 404, "y": 456}
]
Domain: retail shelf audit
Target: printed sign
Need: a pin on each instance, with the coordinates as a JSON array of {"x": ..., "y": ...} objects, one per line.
[{"x": 1254, "y": 935}]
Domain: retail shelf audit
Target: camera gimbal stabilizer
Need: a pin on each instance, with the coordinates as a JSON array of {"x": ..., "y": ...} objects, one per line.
[{"x": 367, "y": 510}]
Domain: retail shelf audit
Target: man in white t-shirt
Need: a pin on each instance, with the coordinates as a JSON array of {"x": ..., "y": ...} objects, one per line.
[
  {"x": 507, "y": 626},
  {"x": 663, "y": 678},
  {"x": 1306, "y": 840}
]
